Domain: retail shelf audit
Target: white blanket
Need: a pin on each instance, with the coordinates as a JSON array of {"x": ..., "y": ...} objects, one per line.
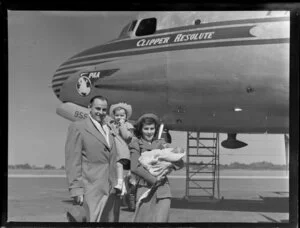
[{"x": 157, "y": 161}]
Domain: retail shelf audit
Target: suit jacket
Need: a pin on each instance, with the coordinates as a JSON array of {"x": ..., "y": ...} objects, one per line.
[{"x": 90, "y": 166}]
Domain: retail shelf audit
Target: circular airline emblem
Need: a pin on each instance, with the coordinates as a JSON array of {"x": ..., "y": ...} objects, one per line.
[{"x": 83, "y": 86}]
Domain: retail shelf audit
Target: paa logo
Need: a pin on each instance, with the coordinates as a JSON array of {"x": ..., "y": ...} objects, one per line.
[
  {"x": 85, "y": 82},
  {"x": 83, "y": 86}
]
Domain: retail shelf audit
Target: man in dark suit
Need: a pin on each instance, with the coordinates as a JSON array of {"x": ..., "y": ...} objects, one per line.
[{"x": 91, "y": 164}]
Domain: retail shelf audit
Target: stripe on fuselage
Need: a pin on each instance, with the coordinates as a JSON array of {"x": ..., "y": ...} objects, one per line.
[
  {"x": 168, "y": 39},
  {"x": 62, "y": 78},
  {"x": 185, "y": 46}
]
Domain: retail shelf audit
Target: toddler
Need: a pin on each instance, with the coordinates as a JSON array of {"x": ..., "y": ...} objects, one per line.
[{"x": 123, "y": 131}]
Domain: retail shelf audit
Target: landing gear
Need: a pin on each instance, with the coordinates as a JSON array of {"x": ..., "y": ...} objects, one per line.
[
  {"x": 287, "y": 150},
  {"x": 164, "y": 133},
  {"x": 167, "y": 136}
]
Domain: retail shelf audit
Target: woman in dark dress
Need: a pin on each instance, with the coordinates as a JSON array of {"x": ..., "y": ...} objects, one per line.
[{"x": 154, "y": 208}]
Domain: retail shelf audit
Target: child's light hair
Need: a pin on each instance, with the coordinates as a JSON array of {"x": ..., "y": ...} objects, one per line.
[{"x": 119, "y": 106}]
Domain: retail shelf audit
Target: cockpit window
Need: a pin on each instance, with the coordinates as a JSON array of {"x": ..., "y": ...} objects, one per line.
[
  {"x": 146, "y": 27},
  {"x": 125, "y": 30},
  {"x": 128, "y": 28},
  {"x": 132, "y": 26}
]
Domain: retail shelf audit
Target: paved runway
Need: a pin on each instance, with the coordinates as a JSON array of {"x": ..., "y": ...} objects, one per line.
[{"x": 249, "y": 200}]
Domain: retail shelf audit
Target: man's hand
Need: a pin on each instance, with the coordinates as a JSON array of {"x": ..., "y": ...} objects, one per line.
[
  {"x": 78, "y": 200},
  {"x": 115, "y": 191}
]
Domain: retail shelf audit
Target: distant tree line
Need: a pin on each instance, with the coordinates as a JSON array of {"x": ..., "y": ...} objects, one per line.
[
  {"x": 236, "y": 165},
  {"x": 254, "y": 166},
  {"x": 196, "y": 165},
  {"x": 27, "y": 166}
]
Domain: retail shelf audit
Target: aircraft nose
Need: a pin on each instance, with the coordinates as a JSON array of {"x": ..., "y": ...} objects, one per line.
[
  {"x": 59, "y": 77},
  {"x": 56, "y": 87}
]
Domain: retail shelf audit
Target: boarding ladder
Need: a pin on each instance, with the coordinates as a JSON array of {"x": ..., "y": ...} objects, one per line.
[{"x": 202, "y": 166}]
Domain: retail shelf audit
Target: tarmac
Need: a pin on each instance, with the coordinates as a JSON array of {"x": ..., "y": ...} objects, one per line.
[{"x": 47, "y": 200}]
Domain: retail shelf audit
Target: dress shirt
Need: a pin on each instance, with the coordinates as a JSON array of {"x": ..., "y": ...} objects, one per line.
[{"x": 103, "y": 129}]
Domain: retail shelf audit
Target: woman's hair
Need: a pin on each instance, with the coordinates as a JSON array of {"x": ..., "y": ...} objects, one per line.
[{"x": 145, "y": 121}]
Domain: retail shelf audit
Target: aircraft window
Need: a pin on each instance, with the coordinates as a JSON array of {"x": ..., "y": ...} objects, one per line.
[
  {"x": 132, "y": 26},
  {"x": 146, "y": 27},
  {"x": 125, "y": 30}
]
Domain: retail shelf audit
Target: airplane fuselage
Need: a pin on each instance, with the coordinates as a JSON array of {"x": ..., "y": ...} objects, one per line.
[{"x": 227, "y": 76}]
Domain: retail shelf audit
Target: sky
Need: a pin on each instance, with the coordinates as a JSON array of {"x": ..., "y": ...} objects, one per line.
[{"x": 38, "y": 42}]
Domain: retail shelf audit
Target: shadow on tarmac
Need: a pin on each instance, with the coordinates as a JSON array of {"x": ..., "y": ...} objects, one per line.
[{"x": 264, "y": 204}]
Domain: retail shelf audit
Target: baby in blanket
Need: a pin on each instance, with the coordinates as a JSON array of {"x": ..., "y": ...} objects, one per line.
[{"x": 157, "y": 162}]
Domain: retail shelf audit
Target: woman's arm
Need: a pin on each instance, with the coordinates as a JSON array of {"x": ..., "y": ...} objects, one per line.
[{"x": 135, "y": 166}]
